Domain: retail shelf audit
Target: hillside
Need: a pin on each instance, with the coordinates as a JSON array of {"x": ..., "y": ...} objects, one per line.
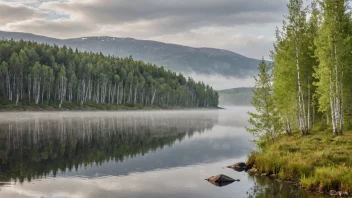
[
  {"x": 177, "y": 58},
  {"x": 40, "y": 74},
  {"x": 236, "y": 96}
]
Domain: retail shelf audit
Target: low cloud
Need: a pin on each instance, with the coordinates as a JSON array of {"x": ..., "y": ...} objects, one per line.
[{"x": 219, "y": 82}]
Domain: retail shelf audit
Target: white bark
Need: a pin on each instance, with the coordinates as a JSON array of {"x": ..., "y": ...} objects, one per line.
[
  {"x": 301, "y": 106},
  {"x": 153, "y": 97},
  {"x": 332, "y": 106}
]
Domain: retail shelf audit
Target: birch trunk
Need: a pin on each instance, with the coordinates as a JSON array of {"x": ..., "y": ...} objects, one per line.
[
  {"x": 300, "y": 93},
  {"x": 337, "y": 103},
  {"x": 332, "y": 106},
  {"x": 153, "y": 97},
  {"x": 135, "y": 95},
  {"x": 118, "y": 95}
]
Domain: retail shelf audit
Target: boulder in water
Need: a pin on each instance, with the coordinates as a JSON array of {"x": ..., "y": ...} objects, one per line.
[
  {"x": 240, "y": 166},
  {"x": 221, "y": 180}
]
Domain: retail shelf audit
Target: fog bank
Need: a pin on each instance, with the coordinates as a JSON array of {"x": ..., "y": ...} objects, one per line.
[{"x": 220, "y": 82}]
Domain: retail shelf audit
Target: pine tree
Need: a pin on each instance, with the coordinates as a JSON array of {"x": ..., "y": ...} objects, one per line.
[{"x": 264, "y": 120}]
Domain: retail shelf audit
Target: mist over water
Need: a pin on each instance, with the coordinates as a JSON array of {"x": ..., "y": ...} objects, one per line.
[
  {"x": 220, "y": 82},
  {"x": 123, "y": 154}
]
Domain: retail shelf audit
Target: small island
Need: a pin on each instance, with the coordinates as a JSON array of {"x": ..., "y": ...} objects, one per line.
[{"x": 303, "y": 119}]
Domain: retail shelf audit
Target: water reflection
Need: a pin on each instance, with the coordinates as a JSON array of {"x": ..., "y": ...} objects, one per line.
[
  {"x": 126, "y": 154},
  {"x": 272, "y": 188},
  {"x": 43, "y": 144}
]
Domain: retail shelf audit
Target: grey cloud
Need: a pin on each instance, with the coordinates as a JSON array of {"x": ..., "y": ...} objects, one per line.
[
  {"x": 185, "y": 12},
  {"x": 199, "y": 23},
  {"x": 21, "y": 1},
  {"x": 17, "y": 12},
  {"x": 183, "y": 23}
]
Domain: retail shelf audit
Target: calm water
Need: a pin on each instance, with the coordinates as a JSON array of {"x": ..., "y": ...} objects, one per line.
[{"x": 128, "y": 154}]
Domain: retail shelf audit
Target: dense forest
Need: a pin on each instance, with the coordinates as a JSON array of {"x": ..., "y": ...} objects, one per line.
[
  {"x": 310, "y": 78},
  {"x": 32, "y": 73}
]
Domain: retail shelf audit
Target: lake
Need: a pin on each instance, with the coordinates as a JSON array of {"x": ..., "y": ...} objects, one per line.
[{"x": 147, "y": 154}]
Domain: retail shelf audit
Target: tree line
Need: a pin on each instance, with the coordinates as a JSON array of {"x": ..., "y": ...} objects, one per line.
[
  {"x": 33, "y": 73},
  {"x": 309, "y": 81}
]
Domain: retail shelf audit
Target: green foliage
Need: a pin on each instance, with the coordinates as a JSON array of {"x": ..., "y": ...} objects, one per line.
[
  {"x": 312, "y": 67},
  {"x": 333, "y": 51},
  {"x": 264, "y": 120},
  {"x": 32, "y": 73},
  {"x": 294, "y": 61},
  {"x": 312, "y": 93}
]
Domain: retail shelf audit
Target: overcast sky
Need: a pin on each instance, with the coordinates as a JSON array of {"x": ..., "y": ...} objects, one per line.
[{"x": 243, "y": 26}]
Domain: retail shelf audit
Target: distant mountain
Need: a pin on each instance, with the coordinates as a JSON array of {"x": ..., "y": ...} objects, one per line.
[
  {"x": 174, "y": 57},
  {"x": 236, "y": 96}
]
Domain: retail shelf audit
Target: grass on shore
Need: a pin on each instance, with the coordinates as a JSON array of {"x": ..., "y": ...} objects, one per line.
[
  {"x": 91, "y": 106},
  {"x": 319, "y": 162}
]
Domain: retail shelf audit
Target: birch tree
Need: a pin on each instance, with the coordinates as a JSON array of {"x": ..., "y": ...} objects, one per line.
[
  {"x": 284, "y": 80},
  {"x": 296, "y": 31},
  {"x": 294, "y": 61},
  {"x": 332, "y": 42},
  {"x": 40, "y": 73},
  {"x": 62, "y": 81}
]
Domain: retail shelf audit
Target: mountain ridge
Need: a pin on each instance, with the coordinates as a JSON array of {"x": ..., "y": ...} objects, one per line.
[{"x": 179, "y": 58}]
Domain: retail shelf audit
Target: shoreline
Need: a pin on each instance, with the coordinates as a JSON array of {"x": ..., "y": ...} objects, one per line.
[
  {"x": 93, "y": 107},
  {"x": 319, "y": 163}
]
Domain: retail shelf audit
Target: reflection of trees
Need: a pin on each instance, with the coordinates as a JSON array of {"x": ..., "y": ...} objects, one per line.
[
  {"x": 271, "y": 188},
  {"x": 34, "y": 148}
]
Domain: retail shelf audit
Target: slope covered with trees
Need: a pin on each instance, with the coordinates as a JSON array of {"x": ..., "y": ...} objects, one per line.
[
  {"x": 309, "y": 91},
  {"x": 32, "y": 73},
  {"x": 178, "y": 58}
]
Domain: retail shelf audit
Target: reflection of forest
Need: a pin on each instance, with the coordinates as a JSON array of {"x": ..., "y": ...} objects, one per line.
[{"x": 36, "y": 147}]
